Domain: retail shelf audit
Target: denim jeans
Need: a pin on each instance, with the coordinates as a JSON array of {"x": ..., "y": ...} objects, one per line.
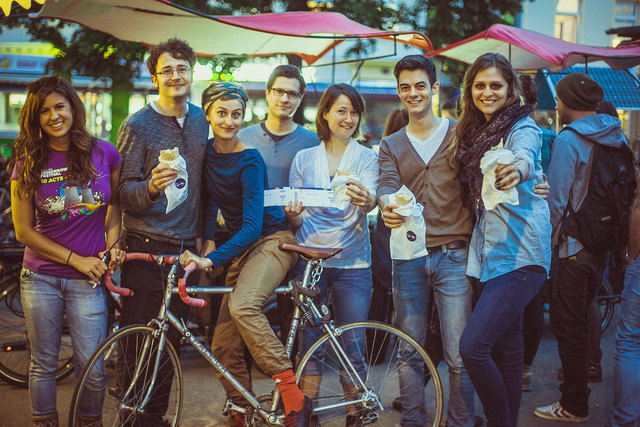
[
  {"x": 445, "y": 273},
  {"x": 350, "y": 299},
  {"x": 492, "y": 345},
  {"x": 45, "y": 300},
  {"x": 575, "y": 282},
  {"x": 626, "y": 370}
]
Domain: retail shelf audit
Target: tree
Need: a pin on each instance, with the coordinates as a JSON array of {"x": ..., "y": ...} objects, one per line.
[
  {"x": 449, "y": 21},
  {"x": 93, "y": 54}
]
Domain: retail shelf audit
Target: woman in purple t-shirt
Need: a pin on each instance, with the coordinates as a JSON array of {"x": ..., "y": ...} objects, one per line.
[{"x": 62, "y": 184}]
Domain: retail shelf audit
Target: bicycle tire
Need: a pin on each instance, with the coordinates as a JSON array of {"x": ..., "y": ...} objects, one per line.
[
  {"x": 607, "y": 304},
  {"x": 122, "y": 395},
  {"x": 381, "y": 379},
  {"x": 15, "y": 355}
]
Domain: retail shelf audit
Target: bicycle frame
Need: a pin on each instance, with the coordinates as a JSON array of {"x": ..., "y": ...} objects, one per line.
[{"x": 304, "y": 306}]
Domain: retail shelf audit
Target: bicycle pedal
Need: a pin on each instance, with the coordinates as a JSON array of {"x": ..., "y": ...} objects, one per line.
[{"x": 115, "y": 392}]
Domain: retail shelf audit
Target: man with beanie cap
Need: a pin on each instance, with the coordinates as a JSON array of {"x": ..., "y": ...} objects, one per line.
[{"x": 576, "y": 272}]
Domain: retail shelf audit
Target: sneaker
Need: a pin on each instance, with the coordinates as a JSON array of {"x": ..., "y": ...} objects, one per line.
[
  {"x": 300, "y": 418},
  {"x": 555, "y": 412}
]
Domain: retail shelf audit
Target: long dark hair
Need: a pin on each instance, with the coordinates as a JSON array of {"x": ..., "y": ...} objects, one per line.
[
  {"x": 32, "y": 143},
  {"x": 329, "y": 98},
  {"x": 471, "y": 117}
]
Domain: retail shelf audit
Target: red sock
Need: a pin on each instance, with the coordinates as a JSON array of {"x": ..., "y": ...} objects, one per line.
[{"x": 292, "y": 397}]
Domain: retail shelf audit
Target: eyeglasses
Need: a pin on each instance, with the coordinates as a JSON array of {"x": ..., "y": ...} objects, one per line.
[
  {"x": 292, "y": 94},
  {"x": 168, "y": 72},
  {"x": 51, "y": 82}
]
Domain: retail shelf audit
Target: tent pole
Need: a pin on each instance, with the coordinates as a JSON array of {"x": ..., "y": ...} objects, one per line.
[
  {"x": 333, "y": 66},
  {"x": 586, "y": 64}
]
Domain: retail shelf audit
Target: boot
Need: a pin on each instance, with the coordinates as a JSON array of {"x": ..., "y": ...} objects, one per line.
[
  {"x": 49, "y": 420},
  {"x": 90, "y": 421}
]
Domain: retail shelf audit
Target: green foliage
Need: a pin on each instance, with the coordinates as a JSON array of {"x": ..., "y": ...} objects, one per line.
[{"x": 449, "y": 21}]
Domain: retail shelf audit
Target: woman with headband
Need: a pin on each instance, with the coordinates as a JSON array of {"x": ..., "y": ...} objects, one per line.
[
  {"x": 235, "y": 178},
  {"x": 63, "y": 185}
]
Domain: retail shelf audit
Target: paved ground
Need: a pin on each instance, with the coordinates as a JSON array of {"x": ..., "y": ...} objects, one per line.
[{"x": 204, "y": 396}]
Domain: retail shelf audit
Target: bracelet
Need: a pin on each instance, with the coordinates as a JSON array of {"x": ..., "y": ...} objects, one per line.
[
  {"x": 519, "y": 174},
  {"x": 69, "y": 257}
]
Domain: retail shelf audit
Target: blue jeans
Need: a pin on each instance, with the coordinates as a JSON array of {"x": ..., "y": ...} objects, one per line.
[
  {"x": 445, "y": 272},
  {"x": 45, "y": 300},
  {"x": 626, "y": 370},
  {"x": 492, "y": 346},
  {"x": 350, "y": 299}
]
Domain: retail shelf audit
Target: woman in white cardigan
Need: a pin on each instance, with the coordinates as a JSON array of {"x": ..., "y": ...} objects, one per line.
[{"x": 347, "y": 274}]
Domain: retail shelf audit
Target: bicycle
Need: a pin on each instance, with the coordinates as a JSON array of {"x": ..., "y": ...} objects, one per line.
[{"x": 143, "y": 364}]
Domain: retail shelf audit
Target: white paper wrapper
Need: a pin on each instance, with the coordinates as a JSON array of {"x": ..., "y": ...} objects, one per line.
[
  {"x": 177, "y": 191},
  {"x": 408, "y": 240},
  {"x": 491, "y": 196},
  {"x": 339, "y": 187}
]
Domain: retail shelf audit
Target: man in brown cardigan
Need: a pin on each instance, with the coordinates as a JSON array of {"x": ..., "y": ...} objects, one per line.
[{"x": 415, "y": 156}]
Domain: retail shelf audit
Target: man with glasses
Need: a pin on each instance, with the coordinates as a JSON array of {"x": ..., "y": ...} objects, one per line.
[
  {"x": 279, "y": 138},
  {"x": 169, "y": 122}
]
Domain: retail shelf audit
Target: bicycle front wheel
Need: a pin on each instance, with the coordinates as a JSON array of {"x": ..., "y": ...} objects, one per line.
[
  {"x": 15, "y": 354},
  {"x": 366, "y": 386},
  {"x": 129, "y": 383}
]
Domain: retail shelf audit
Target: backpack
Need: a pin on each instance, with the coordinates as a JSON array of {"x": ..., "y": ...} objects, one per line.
[{"x": 601, "y": 223}]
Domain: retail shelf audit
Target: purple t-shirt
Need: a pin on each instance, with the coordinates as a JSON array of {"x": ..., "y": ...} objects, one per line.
[{"x": 71, "y": 216}]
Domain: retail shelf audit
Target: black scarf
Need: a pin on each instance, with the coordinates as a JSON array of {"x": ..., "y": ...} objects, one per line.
[{"x": 479, "y": 140}]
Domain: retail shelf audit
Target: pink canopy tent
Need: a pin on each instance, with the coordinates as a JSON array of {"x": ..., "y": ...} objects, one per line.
[
  {"x": 529, "y": 50},
  {"x": 307, "y": 34}
]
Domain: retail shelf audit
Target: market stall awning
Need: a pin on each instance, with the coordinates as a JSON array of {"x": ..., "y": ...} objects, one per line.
[
  {"x": 529, "y": 50},
  {"x": 307, "y": 34},
  {"x": 5, "y": 5},
  {"x": 620, "y": 87}
]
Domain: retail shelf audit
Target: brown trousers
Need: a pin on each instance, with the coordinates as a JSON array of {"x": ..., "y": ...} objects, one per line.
[{"x": 253, "y": 275}]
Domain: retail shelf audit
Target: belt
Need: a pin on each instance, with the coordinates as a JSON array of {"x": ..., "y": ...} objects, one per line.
[{"x": 456, "y": 244}]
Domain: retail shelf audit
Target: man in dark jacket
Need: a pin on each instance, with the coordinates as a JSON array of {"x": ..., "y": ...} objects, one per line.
[{"x": 576, "y": 271}]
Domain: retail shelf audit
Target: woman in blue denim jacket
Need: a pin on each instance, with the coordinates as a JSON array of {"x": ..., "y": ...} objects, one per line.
[{"x": 510, "y": 248}]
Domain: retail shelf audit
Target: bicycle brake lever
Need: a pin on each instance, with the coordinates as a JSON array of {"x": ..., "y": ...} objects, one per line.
[{"x": 106, "y": 258}]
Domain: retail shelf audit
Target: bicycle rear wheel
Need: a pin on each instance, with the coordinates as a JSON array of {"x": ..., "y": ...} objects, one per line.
[
  {"x": 15, "y": 355},
  {"x": 607, "y": 304},
  {"x": 130, "y": 391},
  {"x": 396, "y": 351}
]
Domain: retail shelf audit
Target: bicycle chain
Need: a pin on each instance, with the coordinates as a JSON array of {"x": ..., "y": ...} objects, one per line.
[{"x": 315, "y": 275}]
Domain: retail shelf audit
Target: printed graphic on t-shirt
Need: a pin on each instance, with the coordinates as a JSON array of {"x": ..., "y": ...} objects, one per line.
[{"x": 69, "y": 201}]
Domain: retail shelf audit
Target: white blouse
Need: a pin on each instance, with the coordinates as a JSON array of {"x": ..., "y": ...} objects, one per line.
[{"x": 332, "y": 227}]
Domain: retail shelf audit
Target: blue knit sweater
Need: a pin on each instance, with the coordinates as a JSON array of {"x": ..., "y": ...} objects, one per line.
[{"x": 235, "y": 183}]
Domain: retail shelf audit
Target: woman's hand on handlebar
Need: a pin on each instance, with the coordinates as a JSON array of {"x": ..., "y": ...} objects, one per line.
[
  {"x": 90, "y": 266},
  {"x": 202, "y": 263},
  {"x": 116, "y": 258}
]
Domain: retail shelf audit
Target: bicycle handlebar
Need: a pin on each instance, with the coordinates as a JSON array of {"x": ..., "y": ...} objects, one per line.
[
  {"x": 159, "y": 259},
  {"x": 182, "y": 289}
]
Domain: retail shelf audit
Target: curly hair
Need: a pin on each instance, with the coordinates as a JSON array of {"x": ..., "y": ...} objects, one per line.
[
  {"x": 32, "y": 144},
  {"x": 471, "y": 117},
  {"x": 175, "y": 47}
]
